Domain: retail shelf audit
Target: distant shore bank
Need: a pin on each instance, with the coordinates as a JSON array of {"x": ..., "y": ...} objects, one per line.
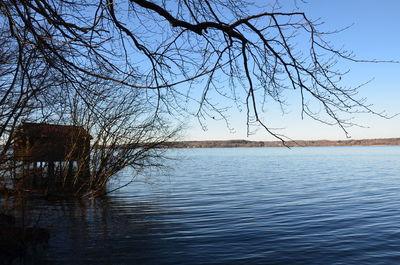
[{"x": 300, "y": 143}]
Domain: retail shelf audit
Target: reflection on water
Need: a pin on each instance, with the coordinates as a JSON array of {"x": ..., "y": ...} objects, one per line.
[
  {"x": 239, "y": 206},
  {"x": 100, "y": 231}
]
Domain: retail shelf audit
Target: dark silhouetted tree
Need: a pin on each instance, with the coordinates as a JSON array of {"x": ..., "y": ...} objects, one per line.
[{"x": 167, "y": 58}]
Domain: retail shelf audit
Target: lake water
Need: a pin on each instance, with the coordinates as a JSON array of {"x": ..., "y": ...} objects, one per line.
[{"x": 319, "y": 205}]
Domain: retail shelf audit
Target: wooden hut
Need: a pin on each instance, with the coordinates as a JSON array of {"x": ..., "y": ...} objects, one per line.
[{"x": 61, "y": 149}]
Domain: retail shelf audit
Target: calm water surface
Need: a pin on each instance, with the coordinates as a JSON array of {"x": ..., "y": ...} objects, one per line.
[{"x": 326, "y": 205}]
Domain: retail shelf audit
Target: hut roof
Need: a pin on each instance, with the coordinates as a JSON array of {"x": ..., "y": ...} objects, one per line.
[{"x": 44, "y": 130}]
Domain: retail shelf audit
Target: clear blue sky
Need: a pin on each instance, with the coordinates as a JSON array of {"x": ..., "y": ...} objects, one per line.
[{"x": 374, "y": 35}]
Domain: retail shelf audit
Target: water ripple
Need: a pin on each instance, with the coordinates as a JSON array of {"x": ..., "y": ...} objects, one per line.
[{"x": 246, "y": 206}]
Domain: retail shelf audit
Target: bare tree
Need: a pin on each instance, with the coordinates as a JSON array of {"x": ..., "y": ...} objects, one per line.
[
  {"x": 125, "y": 131},
  {"x": 24, "y": 83},
  {"x": 171, "y": 48},
  {"x": 59, "y": 56}
]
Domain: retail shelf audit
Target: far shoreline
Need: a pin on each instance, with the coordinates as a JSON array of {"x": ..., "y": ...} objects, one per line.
[{"x": 296, "y": 143}]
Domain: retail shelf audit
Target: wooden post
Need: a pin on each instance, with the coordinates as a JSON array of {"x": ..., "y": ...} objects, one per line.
[
  {"x": 50, "y": 172},
  {"x": 35, "y": 175},
  {"x": 69, "y": 172}
]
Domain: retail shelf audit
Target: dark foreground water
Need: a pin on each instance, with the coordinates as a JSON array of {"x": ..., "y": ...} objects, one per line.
[{"x": 241, "y": 206}]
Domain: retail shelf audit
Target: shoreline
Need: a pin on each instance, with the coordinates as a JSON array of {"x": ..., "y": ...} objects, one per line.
[{"x": 299, "y": 143}]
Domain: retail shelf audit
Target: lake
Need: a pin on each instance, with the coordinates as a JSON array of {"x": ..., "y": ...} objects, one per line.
[{"x": 317, "y": 205}]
